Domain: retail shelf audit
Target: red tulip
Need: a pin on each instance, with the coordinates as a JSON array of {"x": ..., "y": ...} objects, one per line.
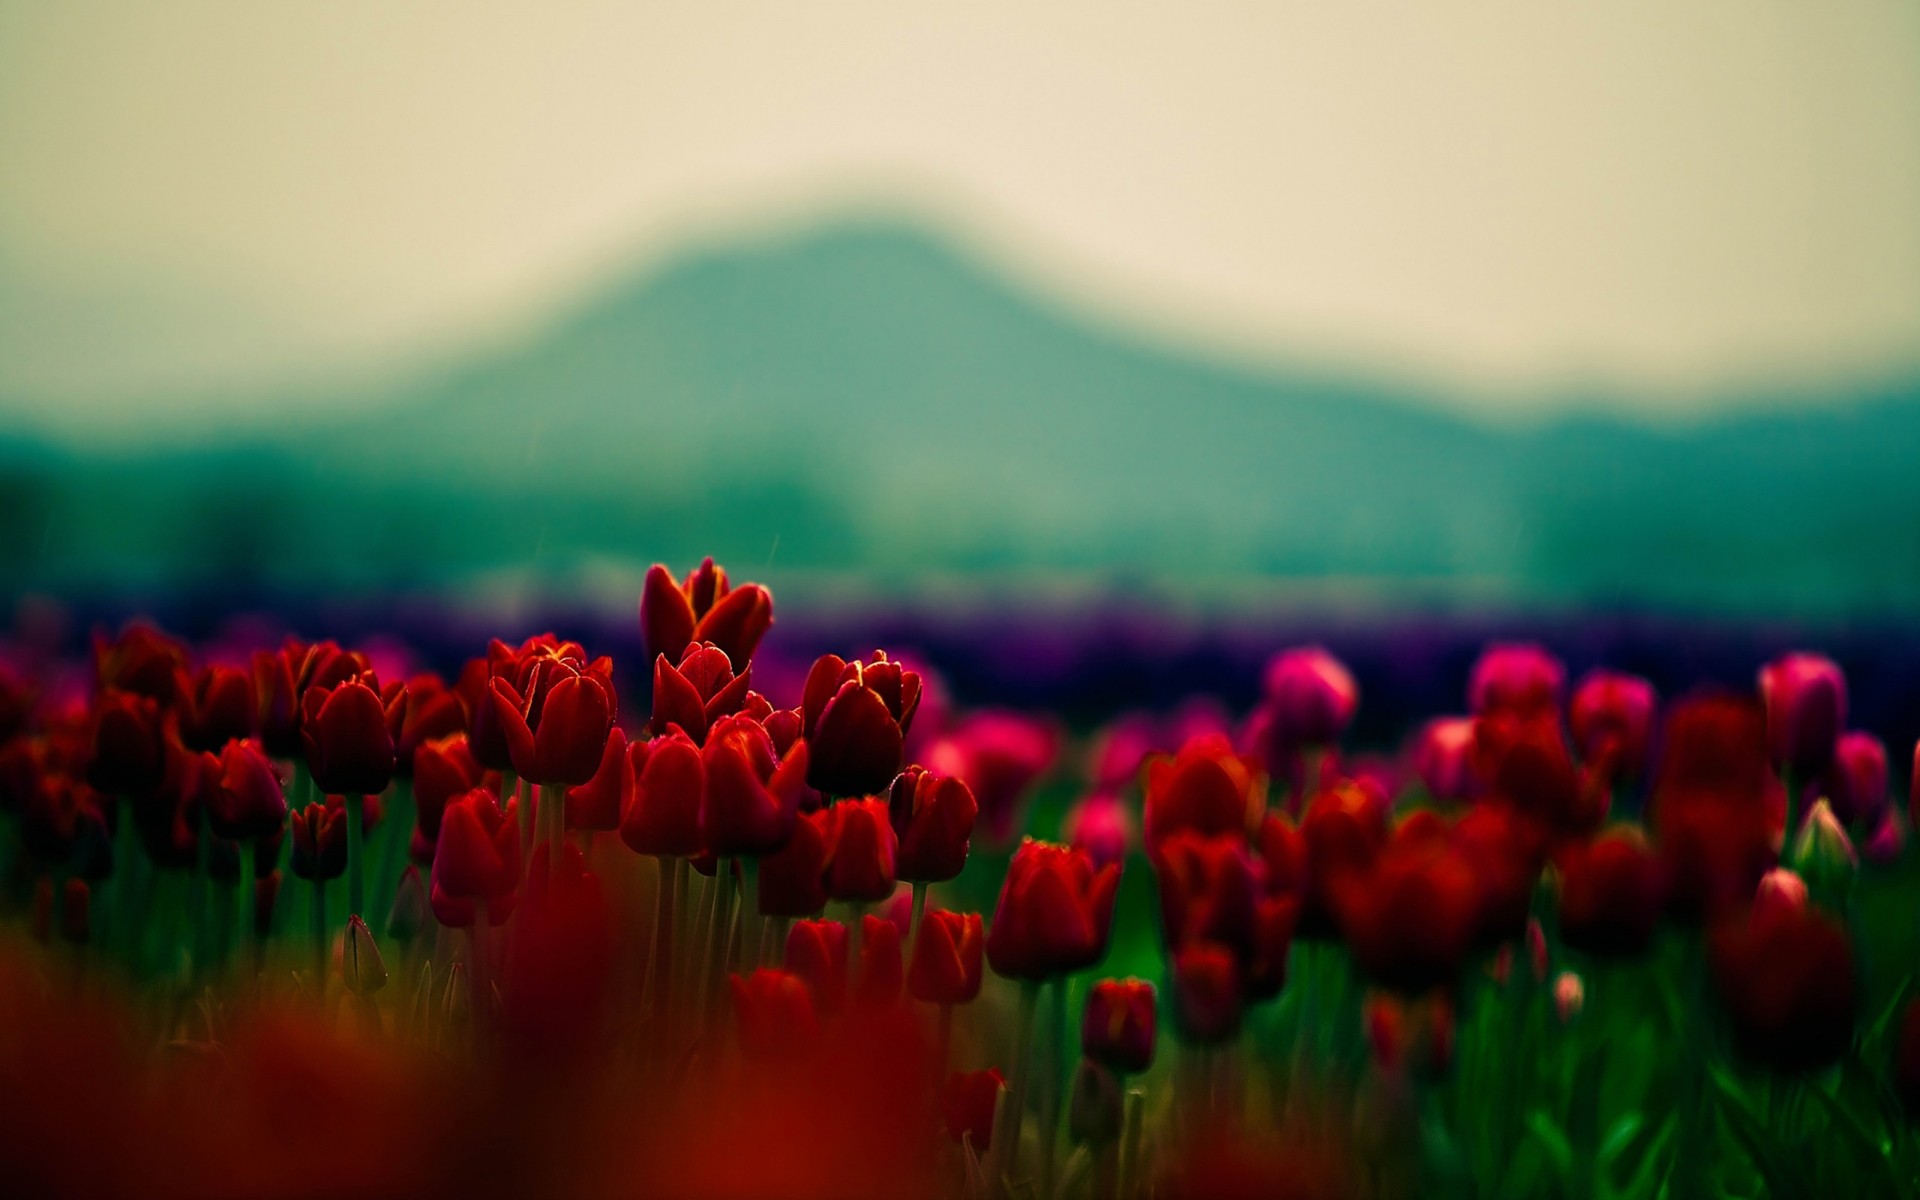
[
  {"x": 775, "y": 1012},
  {"x": 669, "y": 783},
  {"x": 429, "y": 710},
  {"x": 1612, "y": 891},
  {"x": 1806, "y": 700},
  {"x": 1612, "y": 715},
  {"x": 1000, "y": 755},
  {"x": 1206, "y": 789},
  {"x": 698, "y": 692},
  {"x": 349, "y": 743},
  {"x": 793, "y": 878},
  {"x": 598, "y": 803},
  {"x": 1786, "y": 977},
  {"x": 477, "y": 859},
  {"x": 751, "y": 798},
  {"x": 1310, "y": 696},
  {"x": 442, "y": 769},
  {"x": 1411, "y": 920},
  {"x": 1117, "y": 1030},
  {"x": 319, "y": 840},
  {"x": 1206, "y": 993},
  {"x": 932, "y": 818},
  {"x": 1343, "y": 829},
  {"x": 967, "y": 1103},
  {"x": 142, "y": 660},
  {"x": 1718, "y": 813},
  {"x": 1506, "y": 852},
  {"x": 816, "y": 953},
  {"x": 1208, "y": 887},
  {"x": 280, "y": 682},
  {"x": 857, "y": 715},
  {"x": 1101, "y": 826},
  {"x": 1856, "y": 783},
  {"x": 946, "y": 958},
  {"x": 1522, "y": 757},
  {"x": 702, "y": 609},
  {"x": 881, "y": 974},
  {"x": 1443, "y": 757},
  {"x": 129, "y": 749},
  {"x": 1521, "y": 678},
  {"x": 860, "y": 851},
  {"x": 1054, "y": 914},
  {"x": 556, "y": 716},
  {"x": 249, "y": 802},
  {"x": 215, "y": 708}
]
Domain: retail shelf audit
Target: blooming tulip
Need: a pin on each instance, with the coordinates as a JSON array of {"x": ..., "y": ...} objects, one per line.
[
  {"x": 556, "y": 728},
  {"x": 1206, "y": 788},
  {"x": 932, "y": 818},
  {"x": 700, "y": 690},
  {"x": 1118, "y": 1027},
  {"x": 1516, "y": 677},
  {"x": 215, "y": 707},
  {"x": 702, "y": 609},
  {"x": 1054, "y": 913},
  {"x": 750, "y": 797},
  {"x": 349, "y": 743},
  {"x": 857, "y": 714}
]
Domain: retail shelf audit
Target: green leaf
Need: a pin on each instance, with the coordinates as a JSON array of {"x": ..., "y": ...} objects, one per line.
[
  {"x": 1869, "y": 1162},
  {"x": 1647, "y": 1178},
  {"x": 1559, "y": 1150},
  {"x": 1619, "y": 1138},
  {"x": 1879, "y": 1027},
  {"x": 1777, "y": 1170}
]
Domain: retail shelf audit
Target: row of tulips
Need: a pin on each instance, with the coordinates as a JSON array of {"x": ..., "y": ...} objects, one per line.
[{"x": 736, "y": 897}]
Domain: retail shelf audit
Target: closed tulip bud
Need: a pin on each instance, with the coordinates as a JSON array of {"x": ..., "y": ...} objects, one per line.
[
  {"x": 557, "y": 731},
  {"x": 669, "y": 783},
  {"x": 967, "y": 1103},
  {"x": 1208, "y": 888},
  {"x": 1786, "y": 976},
  {"x": 880, "y": 976},
  {"x": 1101, "y": 826},
  {"x": 932, "y": 818},
  {"x": 248, "y": 801},
  {"x": 215, "y": 707},
  {"x": 1275, "y": 919},
  {"x": 1119, "y": 1026},
  {"x": 360, "y": 963},
  {"x": 1889, "y": 838},
  {"x": 1311, "y": 696},
  {"x": 857, "y": 715},
  {"x": 142, "y": 660},
  {"x": 1822, "y": 853},
  {"x": 860, "y": 852},
  {"x": 349, "y": 745},
  {"x": 266, "y": 892},
  {"x": 442, "y": 769},
  {"x": 1612, "y": 715},
  {"x": 696, "y": 693},
  {"x": 1569, "y": 996},
  {"x": 598, "y": 803},
  {"x": 1206, "y": 992},
  {"x": 1516, "y": 677},
  {"x": 793, "y": 878},
  {"x": 946, "y": 958},
  {"x": 751, "y": 798},
  {"x": 1096, "y": 1109},
  {"x": 1806, "y": 699},
  {"x": 478, "y": 857},
  {"x": 129, "y": 748},
  {"x": 703, "y": 608},
  {"x": 1856, "y": 783},
  {"x": 1612, "y": 891},
  {"x": 1443, "y": 757},
  {"x": 1054, "y": 914},
  {"x": 1780, "y": 890},
  {"x": 817, "y": 954},
  {"x": 775, "y": 1014},
  {"x": 319, "y": 840},
  {"x": 410, "y": 911},
  {"x": 1205, "y": 789}
]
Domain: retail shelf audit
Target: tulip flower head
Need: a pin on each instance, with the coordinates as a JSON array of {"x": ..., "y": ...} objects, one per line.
[
  {"x": 702, "y": 608},
  {"x": 1517, "y": 677},
  {"x": 1206, "y": 788},
  {"x": 698, "y": 691},
  {"x": 347, "y": 731},
  {"x": 1310, "y": 695},
  {"x": 1806, "y": 702},
  {"x": 856, "y": 716},
  {"x": 946, "y": 958},
  {"x": 932, "y": 817},
  {"x": 967, "y": 1104},
  {"x": 555, "y": 712},
  {"x": 215, "y": 707},
  {"x": 1612, "y": 718},
  {"x": 1119, "y": 1025},
  {"x": 1054, "y": 914},
  {"x": 319, "y": 840}
]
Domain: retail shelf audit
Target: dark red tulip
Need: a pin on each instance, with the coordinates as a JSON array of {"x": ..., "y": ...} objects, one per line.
[
  {"x": 662, "y": 813},
  {"x": 1506, "y": 852},
  {"x": 1786, "y": 977},
  {"x": 1208, "y": 887},
  {"x": 1806, "y": 701},
  {"x": 932, "y": 818},
  {"x": 816, "y": 953},
  {"x": 249, "y": 802},
  {"x": 1310, "y": 697},
  {"x": 1612, "y": 716},
  {"x": 946, "y": 958},
  {"x": 319, "y": 840},
  {"x": 215, "y": 707},
  {"x": 1411, "y": 919},
  {"x": 1119, "y": 1025},
  {"x": 1856, "y": 781},
  {"x": 1054, "y": 913},
  {"x": 1343, "y": 829},
  {"x": 1443, "y": 757},
  {"x": 1264, "y": 965},
  {"x": 598, "y": 803},
  {"x": 857, "y": 715},
  {"x": 129, "y": 748},
  {"x": 793, "y": 878},
  {"x": 751, "y": 798},
  {"x": 142, "y": 660},
  {"x": 967, "y": 1103},
  {"x": 349, "y": 743},
  {"x": 280, "y": 682},
  {"x": 1207, "y": 1001},
  {"x": 477, "y": 859},
  {"x": 1518, "y": 677},
  {"x": 1612, "y": 892},
  {"x": 442, "y": 769},
  {"x": 1205, "y": 789},
  {"x": 696, "y": 693},
  {"x": 1522, "y": 757},
  {"x": 1718, "y": 813},
  {"x": 1000, "y": 755},
  {"x": 881, "y": 974},
  {"x": 775, "y": 1012},
  {"x": 556, "y": 728},
  {"x": 429, "y": 710},
  {"x": 860, "y": 851},
  {"x": 674, "y": 615}
]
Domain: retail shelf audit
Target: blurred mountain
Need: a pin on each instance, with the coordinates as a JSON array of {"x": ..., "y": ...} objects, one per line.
[{"x": 863, "y": 399}]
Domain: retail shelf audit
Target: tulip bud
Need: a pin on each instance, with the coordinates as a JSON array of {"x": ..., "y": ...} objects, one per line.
[
  {"x": 1822, "y": 853},
  {"x": 215, "y": 708},
  {"x": 1311, "y": 696},
  {"x": 349, "y": 745},
  {"x": 967, "y": 1102},
  {"x": 1118, "y": 1028},
  {"x": 775, "y": 1014},
  {"x": 360, "y": 963},
  {"x": 1443, "y": 758},
  {"x": 1054, "y": 914},
  {"x": 1205, "y": 789},
  {"x": 1206, "y": 990},
  {"x": 857, "y": 715},
  {"x": 1806, "y": 700},
  {"x": 1569, "y": 996},
  {"x": 860, "y": 851},
  {"x": 817, "y": 955},
  {"x": 932, "y": 818},
  {"x": 1102, "y": 827},
  {"x": 1096, "y": 1108},
  {"x": 1516, "y": 677},
  {"x": 1889, "y": 838},
  {"x": 1856, "y": 782},
  {"x": 946, "y": 958},
  {"x": 1612, "y": 714},
  {"x": 1780, "y": 891}
]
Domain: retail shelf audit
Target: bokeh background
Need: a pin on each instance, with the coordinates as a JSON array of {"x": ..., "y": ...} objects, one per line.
[{"x": 1159, "y": 323}]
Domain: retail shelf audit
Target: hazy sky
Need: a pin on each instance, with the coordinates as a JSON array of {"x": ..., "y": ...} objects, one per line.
[{"x": 1510, "y": 197}]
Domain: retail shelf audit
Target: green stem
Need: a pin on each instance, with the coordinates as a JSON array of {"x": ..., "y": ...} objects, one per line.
[
  {"x": 1130, "y": 1144},
  {"x": 1056, "y": 1081},
  {"x": 1004, "y": 1156},
  {"x": 918, "y": 913},
  {"x": 356, "y": 857}
]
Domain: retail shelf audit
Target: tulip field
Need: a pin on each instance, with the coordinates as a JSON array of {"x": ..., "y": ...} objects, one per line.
[{"x": 306, "y": 918}]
